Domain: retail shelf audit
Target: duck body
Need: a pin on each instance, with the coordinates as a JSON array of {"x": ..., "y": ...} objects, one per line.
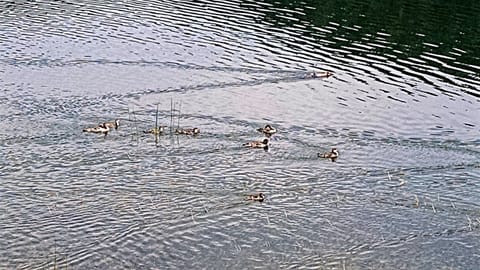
[
  {"x": 187, "y": 131},
  {"x": 257, "y": 144},
  {"x": 332, "y": 154},
  {"x": 156, "y": 131},
  {"x": 267, "y": 130},
  {"x": 256, "y": 197},
  {"x": 98, "y": 129},
  {"x": 113, "y": 124}
]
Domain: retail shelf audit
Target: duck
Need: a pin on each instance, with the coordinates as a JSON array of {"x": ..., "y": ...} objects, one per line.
[
  {"x": 155, "y": 131},
  {"x": 256, "y": 197},
  {"x": 113, "y": 124},
  {"x": 257, "y": 144},
  {"x": 333, "y": 154},
  {"x": 188, "y": 131},
  {"x": 268, "y": 130},
  {"x": 322, "y": 74},
  {"x": 102, "y": 128}
]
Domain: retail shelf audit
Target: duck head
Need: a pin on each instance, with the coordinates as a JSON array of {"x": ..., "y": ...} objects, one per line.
[{"x": 260, "y": 197}]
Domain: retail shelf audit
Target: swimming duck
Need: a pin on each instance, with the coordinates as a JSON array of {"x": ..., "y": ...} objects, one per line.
[
  {"x": 322, "y": 74},
  {"x": 332, "y": 154},
  {"x": 155, "y": 131},
  {"x": 98, "y": 129},
  {"x": 188, "y": 131},
  {"x": 113, "y": 124},
  {"x": 257, "y": 144},
  {"x": 256, "y": 197},
  {"x": 268, "y": 130}
]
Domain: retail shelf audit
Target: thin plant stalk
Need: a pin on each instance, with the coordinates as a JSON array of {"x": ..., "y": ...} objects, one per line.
[
  {"x": 135, "y": 120},
  {"x": 157, "y": 130},
  {"x": 179, "y": 115},
  {"x": 55, "y": 256},
  {"x": 171, "y": 116},
  {"x": 129, "y": 120},
  {"x": 156, "y": 119}
]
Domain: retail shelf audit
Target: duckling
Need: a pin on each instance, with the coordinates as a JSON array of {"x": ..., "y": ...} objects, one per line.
[
  {"x": 156, "y": 131},
  {"x": 113, "y": 124},
  {"x": 188, "y": 131},
  {"x": 257, "y": 144},
  {"x": 332, "y": 154},
  {"x": 98, "y": 129},
  {"x": 268, "y": 130},
  {"x": 256, "y": 197},
  {"x": 322, "y": 74}
]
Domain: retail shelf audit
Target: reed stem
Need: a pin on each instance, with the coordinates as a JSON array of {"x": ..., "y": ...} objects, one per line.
[
  {"x": 171, "y": 116},
  {"x": 179, "y": 114},
  {"x": 135, "y": 120},
  {"x": 156, "y": 119}
]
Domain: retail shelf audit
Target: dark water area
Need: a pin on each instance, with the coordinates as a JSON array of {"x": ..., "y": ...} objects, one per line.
[{"x": 402, "y": 108}]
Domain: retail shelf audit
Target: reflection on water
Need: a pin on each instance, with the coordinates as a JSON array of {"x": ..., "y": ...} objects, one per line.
[{"x": 402, "y": 108}]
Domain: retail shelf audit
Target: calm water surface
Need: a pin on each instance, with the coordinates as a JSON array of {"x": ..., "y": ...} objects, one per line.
[{"x": 403, "y": 108}]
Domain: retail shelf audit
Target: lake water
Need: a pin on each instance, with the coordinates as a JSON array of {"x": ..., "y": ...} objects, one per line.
[{"x": 403, "y": 109}]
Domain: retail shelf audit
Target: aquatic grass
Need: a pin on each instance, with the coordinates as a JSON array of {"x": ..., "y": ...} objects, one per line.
[
  {"x": 130, "y": 120},
  {"x": 174, "y": 112},
  {"x": 156, "y": 131},
  {"x": 58, "y": 262},
  {"x": 134, "y": 121},
  {"x": 179, "y": 114},
  {"x": 172, "y": 108},
  {"x": 156, "y": 119},
  {"x": 55, "y": 262}
]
